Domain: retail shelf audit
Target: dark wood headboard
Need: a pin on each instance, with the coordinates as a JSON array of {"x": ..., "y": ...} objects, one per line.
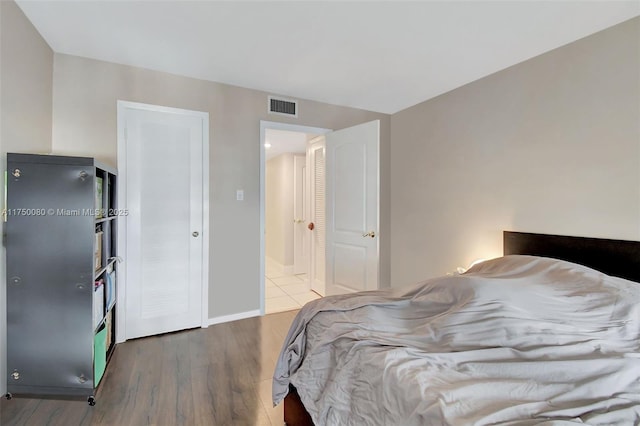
[{"x": 619, "y": 258}]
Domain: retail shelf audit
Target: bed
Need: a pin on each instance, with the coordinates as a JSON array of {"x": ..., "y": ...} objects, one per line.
[{"x": 548, "y": 334}]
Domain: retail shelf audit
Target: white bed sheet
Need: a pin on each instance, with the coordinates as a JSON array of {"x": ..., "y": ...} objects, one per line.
[{"x": 518, "y": 340}]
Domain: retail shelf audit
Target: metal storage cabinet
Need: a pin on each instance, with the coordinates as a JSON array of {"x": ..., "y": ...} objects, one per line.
[{"x": 51, "y": 270}]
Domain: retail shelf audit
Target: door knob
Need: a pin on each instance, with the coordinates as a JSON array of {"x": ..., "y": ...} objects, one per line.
[
  {"x": 311, "y": 226},
  {"x": 371, "y": 234},
  {"x": 195, "y": 233}
]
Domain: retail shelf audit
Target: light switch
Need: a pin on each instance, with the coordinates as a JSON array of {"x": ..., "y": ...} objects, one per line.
[{"x": 240, "y": 195}]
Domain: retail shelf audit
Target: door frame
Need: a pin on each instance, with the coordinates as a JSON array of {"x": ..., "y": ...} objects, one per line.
[
  {"x": 274, "y": 125},
  {"x": 121, "y": 194}
]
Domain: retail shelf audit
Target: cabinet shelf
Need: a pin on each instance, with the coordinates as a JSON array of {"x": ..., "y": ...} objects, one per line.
[
  {"x": 102, "y": 270},
  {"x": 104, "y": 317},
  {"x": 105, "y": 219}
]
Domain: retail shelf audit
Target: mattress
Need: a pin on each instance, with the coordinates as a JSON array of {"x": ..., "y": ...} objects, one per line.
[{"x": 518, "y": 340}]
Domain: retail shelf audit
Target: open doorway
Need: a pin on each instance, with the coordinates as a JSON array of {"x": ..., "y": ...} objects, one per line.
[
  {"x": 285, "y": 216},
  {"x": 343, "y": 226}
]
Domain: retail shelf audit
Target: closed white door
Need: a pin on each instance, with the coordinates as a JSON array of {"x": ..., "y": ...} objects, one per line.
[
  {"x": 317, "y": 213},
  {"x": 300, "y": 234},
  {"x": 164, "y": 241},
  {"x": 352, "y": 187}
]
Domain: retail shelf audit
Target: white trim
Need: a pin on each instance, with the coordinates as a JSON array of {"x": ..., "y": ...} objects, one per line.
[
  {"x": 205, "y": 220},
  {"x": 284, "y": 269},
  {"x": 122, "y": 106},
  {"x": 121, "y": 247},
  {"x": 269, "y": 259},
  {"x": 264, "y": 125},
  {"x": 160, "y": 108},
  {"x": 233, "y": 317}
]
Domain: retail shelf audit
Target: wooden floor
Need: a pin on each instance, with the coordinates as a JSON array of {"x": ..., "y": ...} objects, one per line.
[{"x": 219, "y": 375}]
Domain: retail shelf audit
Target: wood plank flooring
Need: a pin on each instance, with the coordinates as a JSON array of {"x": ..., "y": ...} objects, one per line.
[{"x": 219, "y": 375}]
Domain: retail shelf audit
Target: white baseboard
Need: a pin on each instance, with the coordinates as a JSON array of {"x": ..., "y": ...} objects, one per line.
[
  {"x": 233, "y": 317},
  {"x": 286, "y": 269},
  {"x": 272, "y": 261}
]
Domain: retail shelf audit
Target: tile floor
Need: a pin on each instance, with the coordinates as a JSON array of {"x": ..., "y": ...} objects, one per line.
[{"x": 285, "y": 292}]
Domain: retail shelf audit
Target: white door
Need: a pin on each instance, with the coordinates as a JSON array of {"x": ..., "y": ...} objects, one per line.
[
  {"x": 316, "y": 220},
  {"x": 164, "y": 240},
  {"x": 352, "y": 186},
  {"x": 300, "y": 234}
]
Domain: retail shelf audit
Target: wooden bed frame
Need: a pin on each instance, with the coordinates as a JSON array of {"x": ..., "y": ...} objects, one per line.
[
  {"x": 619, "y": 258},
  {"x": 294, "y": 412}
]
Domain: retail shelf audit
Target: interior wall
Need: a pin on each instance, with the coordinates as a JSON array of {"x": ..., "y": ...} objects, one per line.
[
  {"x": 279, "y": 209},
  {"x": 85, "y": 92},
  {"x": 551, "y": 145},
  {"x": 26, "y": 78}
]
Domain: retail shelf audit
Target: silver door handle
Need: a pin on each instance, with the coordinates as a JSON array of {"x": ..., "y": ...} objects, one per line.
[
  {"x": 371, "y": 234},
  {"x": 195, "y": 233}
]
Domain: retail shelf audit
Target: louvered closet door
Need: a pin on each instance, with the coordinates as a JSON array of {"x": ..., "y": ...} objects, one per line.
[
  {"x": 316, "y": 167},
  {"x": 300, "y": 216}
]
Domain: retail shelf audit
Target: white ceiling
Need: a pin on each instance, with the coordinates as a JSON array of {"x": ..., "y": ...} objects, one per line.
[
  {"x": 380, "y": 56},
  {"x": 284, "y": 141}
]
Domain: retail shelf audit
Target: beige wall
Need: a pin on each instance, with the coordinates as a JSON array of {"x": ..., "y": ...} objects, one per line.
[
  {"x": 85, "y": 92},
  {"x": 279, "y": 209},
  {"x": 26, "y": 76},
  {"x": 551, "y": 145}
]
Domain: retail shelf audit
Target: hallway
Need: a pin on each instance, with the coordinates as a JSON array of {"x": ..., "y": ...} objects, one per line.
[{"x": 285, "y": 292}]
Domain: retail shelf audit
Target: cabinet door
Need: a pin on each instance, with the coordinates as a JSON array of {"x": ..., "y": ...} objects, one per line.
[{"x": 49, "y": 277}]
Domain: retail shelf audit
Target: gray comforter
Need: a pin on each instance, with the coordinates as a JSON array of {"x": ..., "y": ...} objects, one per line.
[{"x": 518, "y": 340}]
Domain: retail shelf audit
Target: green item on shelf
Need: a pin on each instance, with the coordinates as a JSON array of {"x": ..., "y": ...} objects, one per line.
[{"x": 99, "y": 355}]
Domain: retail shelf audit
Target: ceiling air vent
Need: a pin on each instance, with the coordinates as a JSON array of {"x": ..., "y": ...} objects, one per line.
[{"x": 283, "y": 106}]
